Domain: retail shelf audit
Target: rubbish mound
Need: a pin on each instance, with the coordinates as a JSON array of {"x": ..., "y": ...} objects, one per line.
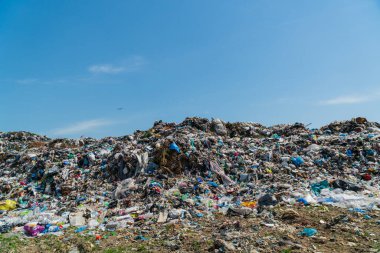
[{"x": 178, "y": 173}]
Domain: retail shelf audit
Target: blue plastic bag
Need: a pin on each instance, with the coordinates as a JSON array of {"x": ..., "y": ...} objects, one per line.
[
  {"x": 213, "y": 184},
  {"x": 174, "y": 146},
  {"x": 297, "y": 161}
]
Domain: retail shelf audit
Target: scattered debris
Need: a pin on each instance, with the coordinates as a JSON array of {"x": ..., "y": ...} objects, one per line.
[{"x": 180, "y": 174}]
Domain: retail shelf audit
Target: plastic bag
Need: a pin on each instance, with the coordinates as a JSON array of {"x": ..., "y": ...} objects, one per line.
[{"x": 8, "y": 205}]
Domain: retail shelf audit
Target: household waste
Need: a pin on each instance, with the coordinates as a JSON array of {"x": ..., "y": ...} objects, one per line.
[{"x": 178, "y": 173}]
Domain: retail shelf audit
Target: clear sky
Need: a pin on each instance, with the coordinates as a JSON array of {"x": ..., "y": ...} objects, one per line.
[{"x": 106, "y": 68}]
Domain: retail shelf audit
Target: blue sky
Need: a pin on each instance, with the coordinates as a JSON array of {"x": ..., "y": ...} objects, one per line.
[{"x": 106, "y": 68}]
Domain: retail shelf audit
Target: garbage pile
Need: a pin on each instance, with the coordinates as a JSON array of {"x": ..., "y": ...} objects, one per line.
[{"x": 178, "y": 173}]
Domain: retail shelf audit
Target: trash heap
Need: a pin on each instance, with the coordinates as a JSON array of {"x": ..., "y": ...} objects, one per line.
[{"x": 178, "y": 173}]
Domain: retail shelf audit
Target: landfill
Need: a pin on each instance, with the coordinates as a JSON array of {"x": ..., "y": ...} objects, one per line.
[{"x": 183, "y": 174}]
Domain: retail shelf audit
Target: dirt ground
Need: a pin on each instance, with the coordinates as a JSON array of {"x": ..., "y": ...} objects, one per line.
[{"x": 274, "y": 230}]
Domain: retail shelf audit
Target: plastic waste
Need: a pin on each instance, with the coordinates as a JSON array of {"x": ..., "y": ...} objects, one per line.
[
  {"x": 81, "y": 229},
  {"x": 8, "y": 205},
  {"x": 250, "y": 204},
  {"x": 173, "y": 146},
  {"x": 33, "y": 230},
  {"x": 267, "y": 200},
  {"x": 308, "y": 232},
  {"x": 344, "y": 185},
  {"x": 141, "y": 238},
  {"x": 317, "y": 187},
  {"x": 298, "y": 161}
]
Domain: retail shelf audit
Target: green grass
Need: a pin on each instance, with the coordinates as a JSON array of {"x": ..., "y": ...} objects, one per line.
[
  {"x": 115, "y": 250},
  {"x": 10, "y": 243},
  {"x": 121, "y": 249},
  {"x": 376, "y": 247},
  {"x": 197, "y": 246}
]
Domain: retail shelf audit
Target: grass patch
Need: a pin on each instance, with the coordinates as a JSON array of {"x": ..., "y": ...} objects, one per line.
[
  {"x": 115, "y": 250},
  {"x": 197, "y": 246},
  {"x": 10, "y": 243}
]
